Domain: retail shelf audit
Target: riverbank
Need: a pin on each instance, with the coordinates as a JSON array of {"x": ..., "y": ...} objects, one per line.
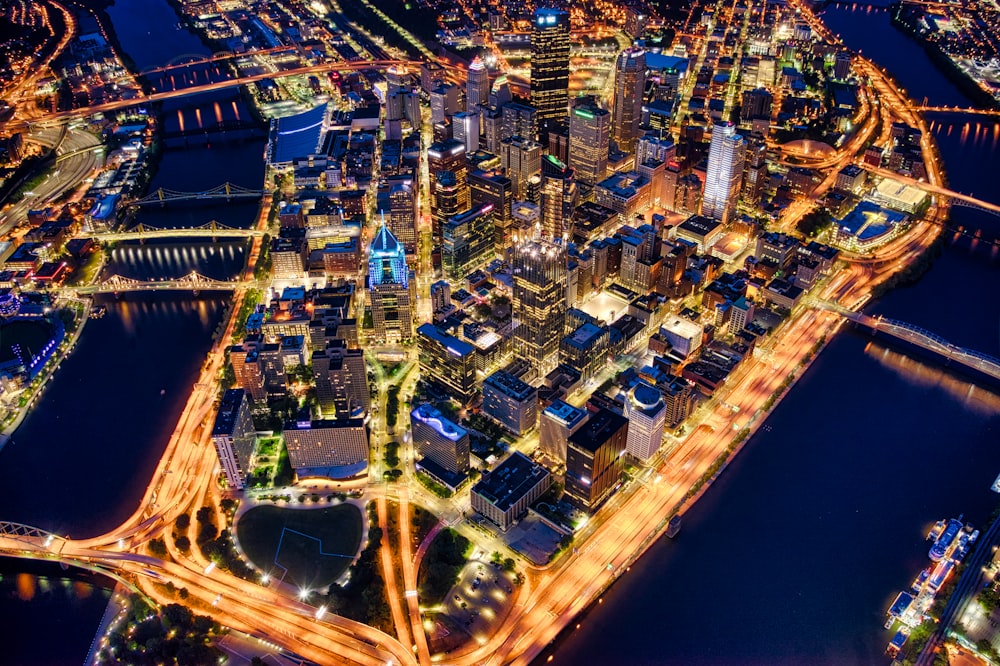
[
  {"x": 43, "y": 377},
  {"x": 966, "y": 84}
]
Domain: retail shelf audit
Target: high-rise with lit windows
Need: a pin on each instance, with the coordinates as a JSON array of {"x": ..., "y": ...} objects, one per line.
[
  {"x": 550, "y": 62},
  {"x": 589, "y": 133},
  {"x": 725, "y": 173},
  {"x": 630, "y": 84},
  {"x": 391, "y": 286},
  {"x": 540, "y": 280}
]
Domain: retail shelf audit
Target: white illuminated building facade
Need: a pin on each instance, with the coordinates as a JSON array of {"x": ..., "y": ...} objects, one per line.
[{"x": 725, "y": 173}]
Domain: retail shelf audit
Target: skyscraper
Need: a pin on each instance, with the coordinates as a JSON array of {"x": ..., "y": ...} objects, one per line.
[
  {"x": 725, "y": 172},
  {"x": 589, "y": 127},
  {"x": 477, "y": 86},
  {"x": 646, "y": 416},
  {"x": 233, "y": 436},
  {"x": 468, "y": 240},
  {"x": 391, "y": 287},
  {"x": 403, "y": 214},
  {"x": 630, "y": 84},
  {"x": 540, "y": 275},
  {"x": 550, "y": 62},
  {"x": 519, "y": 120},
  {"x": 492, "y": 187},
  {"x": 522, "y": 159},
  {"x": 558, "y": 199}
]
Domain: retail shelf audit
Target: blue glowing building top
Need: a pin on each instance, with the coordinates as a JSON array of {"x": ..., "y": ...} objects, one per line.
[{"x": 387, "y": 259}]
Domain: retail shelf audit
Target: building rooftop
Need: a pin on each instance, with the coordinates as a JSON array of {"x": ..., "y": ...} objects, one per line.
[
  {"x": 700, "y": 225},
  {"x": 430, "y": 415},
  {"x": 509, "y": 385},
  {"x": 596, "y": 431},
  {"x": 229, "y": 408},
  {"x": 455, "y": 346},
  {"x": 565, "y": 413},
  {"x": 510, "y": 481}
]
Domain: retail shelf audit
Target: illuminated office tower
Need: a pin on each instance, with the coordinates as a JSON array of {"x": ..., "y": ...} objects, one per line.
[
  {"x": 391, "y": 287},
  {"x": 630, "y": 84},
  {"x": 540, "y": 277},
  {"x": 447, "y": 195},
  {"x": 403, "y": 214},
  {"x": 725, "y": 173},
  {"x": 477, "y": 86},
  {"x": 233, "y": 435},
  {"x": 521, "y": 159},
  {"x": 559, "y": 197},
  {"x": 519, "y": 120},
  {"x": 647, "y": 415},
  {"x": 550, "y": 63},
  {"x": 493, "y": 187},
  {"x": 468, "y": 240},
  {"x": 465, "y": 127},
  {"x": 589, "y": 127},
  {"x": 447, "y": 156}
]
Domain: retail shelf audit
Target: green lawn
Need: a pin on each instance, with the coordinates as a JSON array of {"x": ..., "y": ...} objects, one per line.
[{"x": 316, "y": 545}]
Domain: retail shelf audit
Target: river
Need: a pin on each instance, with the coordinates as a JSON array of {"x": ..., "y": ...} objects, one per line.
[
  {"x": 83, "y": 457},
  {"x": 794, "y": 555}
]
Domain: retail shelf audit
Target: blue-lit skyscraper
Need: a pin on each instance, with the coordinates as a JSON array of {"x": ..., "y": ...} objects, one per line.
[{"x": 391, "y": 287}]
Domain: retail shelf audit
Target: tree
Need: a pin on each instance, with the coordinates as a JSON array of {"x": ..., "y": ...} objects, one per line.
[
  {"x": 158, "y": 548},
  {"x": 183, "y": 522},
  {"x": 183, "y": 544},
  {"x": 205, "y": 515}
]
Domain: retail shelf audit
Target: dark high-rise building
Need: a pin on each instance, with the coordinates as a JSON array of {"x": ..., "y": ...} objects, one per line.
[
  {"x": 630, "y": 85},
  {"x": 467, "y": 240},
  {"x": 521, "y": 159},
  {"x": 589, "y": 133},
  {"x": 540, "y": 282},
  {"x": 448, "y": 155},
  {"x": 233, "y": 435},
  {"x": 446, "y": 200},
  {"x": 595, "y": 459},
  {"x": 754, "y": 170},
  {"x": 519, "y": 120},
  {"x": 492, "y": 187},
  {"x": 403, "y": 214},
  {"x": 550, "y": 62},
  {"x": 756, "y": 104},
  {"x": 559, "y": 197},
  {"x": 447, "y": 361}
]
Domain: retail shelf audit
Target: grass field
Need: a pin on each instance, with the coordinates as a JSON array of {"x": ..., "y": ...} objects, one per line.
[{"x": 315, "y": 546}]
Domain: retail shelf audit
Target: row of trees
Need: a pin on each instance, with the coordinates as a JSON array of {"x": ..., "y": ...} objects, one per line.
[{"x": 175, "y": 635}]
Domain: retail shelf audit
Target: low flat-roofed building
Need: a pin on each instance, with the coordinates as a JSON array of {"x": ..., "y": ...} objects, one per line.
[
  {"x": 504, "y": 495},
  {"x": 900, "y": 196},
  {"x": 684, "y": 336},
  {"x": 335, "y": 449},
  {"x": 704, "y": 231}
]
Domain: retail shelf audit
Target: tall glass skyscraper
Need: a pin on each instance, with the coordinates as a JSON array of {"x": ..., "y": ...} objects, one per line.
[
  {"x": 540, "y": 281},
  {"x": 391, "y": 285},
  {"x": 588, "y": 140},
  {"x": 477, "y": 86},
  {"x": 550, "y": 63},
  {"x": 725, "y": 173},
  {"x": 630, "y": 85}
]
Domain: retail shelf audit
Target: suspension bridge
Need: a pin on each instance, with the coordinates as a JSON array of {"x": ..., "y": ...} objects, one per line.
[
  {"x": 225, "y": 192},
  {"x": 193, "y": 281},
  {"x": 142, "y": 232}
]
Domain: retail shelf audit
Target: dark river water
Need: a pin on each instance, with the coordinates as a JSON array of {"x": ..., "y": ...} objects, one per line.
[{"x": 82, "y": 459}]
